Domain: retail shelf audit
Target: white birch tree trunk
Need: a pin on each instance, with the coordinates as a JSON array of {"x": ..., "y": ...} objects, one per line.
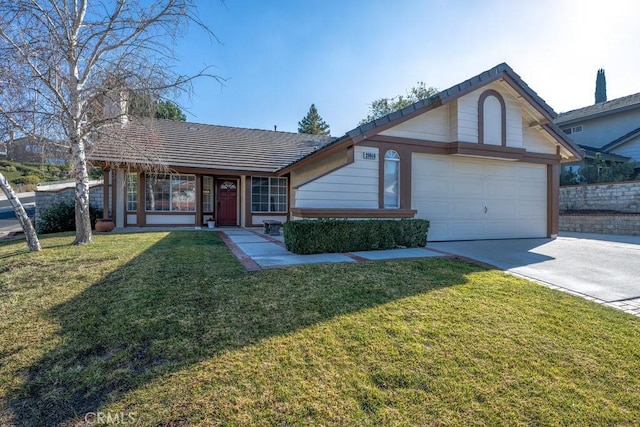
[
  {"x": 21, "y": 214},
  {"x": 83, "y": 220}
]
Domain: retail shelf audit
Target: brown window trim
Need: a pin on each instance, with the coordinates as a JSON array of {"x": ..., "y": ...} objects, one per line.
[
  {"x": 503, "y": 116},
  {"x": 352, "y": 213}
]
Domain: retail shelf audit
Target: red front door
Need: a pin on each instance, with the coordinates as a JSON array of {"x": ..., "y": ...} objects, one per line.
[{"x": 227, "y": 202}]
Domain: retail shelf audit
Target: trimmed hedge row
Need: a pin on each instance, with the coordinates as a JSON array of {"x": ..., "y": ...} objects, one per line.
[{"x": 342, "y": 235}]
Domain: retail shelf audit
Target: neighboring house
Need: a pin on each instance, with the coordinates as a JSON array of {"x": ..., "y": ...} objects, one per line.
[
  {"x": 610, "y": 129},
  {"x": 30, "y": 150},
  {"x": 479, "y": 160}
]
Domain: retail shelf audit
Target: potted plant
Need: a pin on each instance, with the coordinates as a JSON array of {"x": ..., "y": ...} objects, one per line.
[
  {"x": 104, "y": 225},
  {"x": 211, "y": 223}
]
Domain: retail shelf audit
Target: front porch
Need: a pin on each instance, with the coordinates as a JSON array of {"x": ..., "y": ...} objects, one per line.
[{"x": 183, "y": 198}]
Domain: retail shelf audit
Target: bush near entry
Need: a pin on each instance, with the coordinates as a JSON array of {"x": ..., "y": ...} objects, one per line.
[
  {"x": 340, "y": 235},
  {"x": 61, "y": 216}
]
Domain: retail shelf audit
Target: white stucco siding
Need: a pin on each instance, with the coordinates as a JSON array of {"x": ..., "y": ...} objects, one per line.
[
  {"x": 535, "y": 141},
  {"x": 430, "y": 126},
  {"x": 352, "y": 186}
]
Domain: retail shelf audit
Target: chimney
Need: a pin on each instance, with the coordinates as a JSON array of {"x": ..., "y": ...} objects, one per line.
[
  {"x": 115, "y": 105},
  {"x": 275, "y": 127}
]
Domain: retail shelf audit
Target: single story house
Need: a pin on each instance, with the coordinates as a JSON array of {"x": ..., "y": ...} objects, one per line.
[{"x": 480, "y": 160}]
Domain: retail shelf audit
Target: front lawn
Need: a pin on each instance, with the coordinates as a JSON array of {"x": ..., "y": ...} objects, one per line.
[{"x": 168, "y": 329}]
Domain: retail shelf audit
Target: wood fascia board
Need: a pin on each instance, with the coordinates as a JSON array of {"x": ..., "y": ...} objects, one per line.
[
  {"x": 187, "y": 169},
  {"x": 350, "y": 160},
  {"x": 568, "y": 147},
  {"x": 352, "y": 213},
  {"x": 523, "y": 93},
  {"x": 440, "y": 102},
  {"x": 486, "y": 150},
  {"x": 464, "y": 148},
  {"x": 379, "y": 140},
  {"x": 325, "y": 151}
]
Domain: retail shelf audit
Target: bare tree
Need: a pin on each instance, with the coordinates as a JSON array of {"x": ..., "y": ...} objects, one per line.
[
  {"x": 32, "y": 238},
  {"x": 70, "y": 65}
]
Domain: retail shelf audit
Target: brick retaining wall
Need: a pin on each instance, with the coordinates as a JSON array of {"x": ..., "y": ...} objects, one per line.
[
  {"x": 628, "y": 224},
  {"x": 45, "y": 198},
  {"x": 619, "y": 196}
]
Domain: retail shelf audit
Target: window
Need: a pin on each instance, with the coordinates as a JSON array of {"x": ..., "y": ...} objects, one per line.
[
  {"x": 492, "y": 118},
  {"x": 207, "y": 194},
  {"x": 132, "y": 192},
  {"x": 268, "y": 194},
  {"x": 170, "y": 193},
  {"x": 575, "y": 129},
  {"x": 391, "y": 179}
]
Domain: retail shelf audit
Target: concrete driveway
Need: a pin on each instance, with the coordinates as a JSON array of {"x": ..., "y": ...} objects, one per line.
[{"x": 604, "y": 267}]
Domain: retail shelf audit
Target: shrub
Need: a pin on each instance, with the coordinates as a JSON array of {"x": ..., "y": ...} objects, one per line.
[
  {"x": 340, "y": 235},
  {"x": 61, "y": 216},
  {"x": 29, "y": 179}
]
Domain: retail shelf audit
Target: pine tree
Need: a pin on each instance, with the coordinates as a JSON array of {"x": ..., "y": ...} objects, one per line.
[
  {"x": 312, "y": 123},
  {"x": 601, "y": 87}
]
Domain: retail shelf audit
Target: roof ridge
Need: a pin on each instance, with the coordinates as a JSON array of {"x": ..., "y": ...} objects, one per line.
[
  {"x": 623, "y": 138},
  {"x": 603, "y": 105},
  {"x": 168, "y": 121},
  {"x": 502, "y": 68}
]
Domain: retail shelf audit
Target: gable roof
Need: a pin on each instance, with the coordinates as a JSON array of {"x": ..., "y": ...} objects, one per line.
[
  {"x": 623, "y": 139},
  {"x": 194, "y": 145},
  {"x": 501, "y": 71},
  {"x": 625, "y": 103},
  {"x": 448, "y": 95},
  {"x": 591, "y": 152}
]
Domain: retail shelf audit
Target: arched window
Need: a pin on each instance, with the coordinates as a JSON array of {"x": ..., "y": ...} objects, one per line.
[
  {"x": 492, "y": 119},
  {"x": 391, "y": 179}
]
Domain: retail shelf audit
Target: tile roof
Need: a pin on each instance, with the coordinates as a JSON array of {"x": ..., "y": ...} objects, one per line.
[
  {"x": 455, "y": 91},
  {"x": 600, "y": 109},
  {"x": 591, "y": 152},
  {"x": 184, "y": 144}
]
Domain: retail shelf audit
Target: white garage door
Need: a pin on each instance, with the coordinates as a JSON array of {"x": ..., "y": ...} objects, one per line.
[{"x": 469, "y": 198}]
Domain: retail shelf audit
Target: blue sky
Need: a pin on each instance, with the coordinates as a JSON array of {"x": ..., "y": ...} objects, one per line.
[{"x": 280, "y": 56}]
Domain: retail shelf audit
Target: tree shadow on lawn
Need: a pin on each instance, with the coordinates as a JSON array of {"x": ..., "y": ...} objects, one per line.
[{"x": 187, "y": 299}]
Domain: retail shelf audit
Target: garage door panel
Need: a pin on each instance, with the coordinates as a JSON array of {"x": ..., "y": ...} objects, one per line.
[
  {"x": 531, "y": 208},
  {"x": 434, "y": 188},
  {"x": 502, "y": 209},
  {"x": 500, "y": 229},
  {"x": 502, "y": 188},
  {"x": 468, "y": 230},
  {"x": 534, "y": 172},
  {"x": 465, "y": 167},
  {"x": 440, "y": 210},
  {"x": 452, "y": 193},
  {"x": 466, "y": 187}
]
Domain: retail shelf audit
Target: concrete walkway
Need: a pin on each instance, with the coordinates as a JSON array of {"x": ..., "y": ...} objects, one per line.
[
  {"x": 257, "y": 250},
  {"x": 598, "y": 268}
]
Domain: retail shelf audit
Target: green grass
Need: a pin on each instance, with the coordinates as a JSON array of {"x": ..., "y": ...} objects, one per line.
[{"x": 169, "y": 329}]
